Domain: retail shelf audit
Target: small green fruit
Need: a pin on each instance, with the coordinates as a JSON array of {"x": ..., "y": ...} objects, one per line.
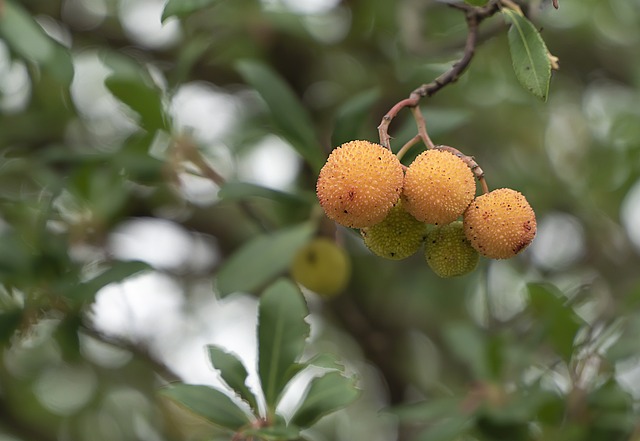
[
  {"x": 397, "y": 237},
  {"x": 448, "y": 251},
  {"x": 322, "y": 267}
]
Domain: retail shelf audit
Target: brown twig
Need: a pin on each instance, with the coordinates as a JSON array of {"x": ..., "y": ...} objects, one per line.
[
  {"x": 471, "y": 163},
  {"x": 473, "y": 16}
]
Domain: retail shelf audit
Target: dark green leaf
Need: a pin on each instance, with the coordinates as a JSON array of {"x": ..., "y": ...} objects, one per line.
[
  {"x": 276, "y": 433},
  {"x": 244, "y": 190},
  {"x": 325, "y": 394},
  {"x": 183, "y": 8},
  {"x": 529, "y": 54},
  {"x": 132, "y": 85},
  {"x": 289, "y": 116},
  {"x": 117, "y": 272},
  {"x": 209, "y": 403},
  {"x": 447, "y": 430},
  {"x": 282, "y": 331},
  {"x": 257, "y": 262},
  {"x": 352, "y": 115},
  {"x": 233, "y": 373},
  {"x": 27, "y": 39},
  {"x": 558, "y": 321},
  {"x": 476, "y": 2}
]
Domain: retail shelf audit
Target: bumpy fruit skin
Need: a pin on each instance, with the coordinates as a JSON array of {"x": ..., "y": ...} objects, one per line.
[
  {"x": 448, "y": 251},
  {"x": 322, "y": 267},
  {"x": 359, "y": 184},
  {"x": 500, "y": 224},
  {"x": 397, "y": 237},
  {"x": 438, "y": 187}
]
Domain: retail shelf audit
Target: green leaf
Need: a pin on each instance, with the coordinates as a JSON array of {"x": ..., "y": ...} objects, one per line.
[
  {"x": 529, "y": 55},
  {"x": 275, "y": 433},
  {"x": 233, "y": 373},
  {"x": 289, "y": 116},
  {"x": 325, "y": 394},
  {"x": 209, "y": 403},
  {"x": 424, "y": 411},
  {"x": 559, "y": 322},
  {"x": 476, "y": 2},
  {"x": 27, "y": 39},
  {"x": 447, "y": 430},
  {"x": 282, "y": 331},
  {"x": 132, "y": 85},
  {"x": 183, "y": 8},
  {"x": 260, "y": 260},
  {"x": 351, "y": 116},
  {"x": 232, "y": 191},
  {"x": 470, "y": 346},
  {"x": 117, "y": 272},
  {"x": 9, "y": 322}
]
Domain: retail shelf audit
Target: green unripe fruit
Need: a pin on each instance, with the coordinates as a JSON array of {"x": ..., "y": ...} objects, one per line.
[
  {"x": 448, "y": 251},
  {"x": 397, "y": 237},
  {"x": 322, "y": 267}
]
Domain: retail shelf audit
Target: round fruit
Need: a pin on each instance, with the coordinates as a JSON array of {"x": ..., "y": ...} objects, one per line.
[
  {"x": 322, "y": 267},
  {"x": 397, "y": 237},
  {"x": 359, "y": 184},
  {"x": 500, "y": 224},
  {"x": 438, "y": 187},
  {"x": 448, "y": 251}
]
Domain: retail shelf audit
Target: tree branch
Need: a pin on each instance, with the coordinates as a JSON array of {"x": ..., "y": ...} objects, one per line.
[{"x": 473, "y": 16}]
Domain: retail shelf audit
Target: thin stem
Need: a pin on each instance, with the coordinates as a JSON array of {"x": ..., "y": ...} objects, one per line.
[
  {"x": 405, "y": 148},
  {"x": 422, "y": 127}
]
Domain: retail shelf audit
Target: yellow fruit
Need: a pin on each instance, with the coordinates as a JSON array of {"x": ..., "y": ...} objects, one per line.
[
  {"x": 438, "y": 187},
  {"x": 448, "y": 251},
  {"x": 500, "y": 224},
  {"x": 397, "y": 237},
  {"x": 322, "y": 267},
  {"x": 359, "y": 184}
]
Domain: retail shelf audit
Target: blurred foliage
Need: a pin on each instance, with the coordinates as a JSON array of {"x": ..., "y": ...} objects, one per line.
[{"x": 109, "y": 116}]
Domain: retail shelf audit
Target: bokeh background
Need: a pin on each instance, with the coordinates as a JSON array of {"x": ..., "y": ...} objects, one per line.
[{"x": 118, "y": 130}]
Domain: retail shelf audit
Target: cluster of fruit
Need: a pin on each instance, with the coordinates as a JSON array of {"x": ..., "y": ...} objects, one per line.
[{"x": 363, "y": 185}]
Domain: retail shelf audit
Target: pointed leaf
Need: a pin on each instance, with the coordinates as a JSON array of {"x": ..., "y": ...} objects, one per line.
[
  {"x": 260, "y": 260},
  {"x": 352, "y": 115},
  {"x": 282, "y": 331},
  {"x": 326, "y": 394},
  {"x": 232, "y": 191},
  {"x": 117, "y": 272},
  {"x": 529, "y": 55},
  {"x": 558, "y": 321},
  {"x": 183, "y": 8},
  {"x": 233, "y": 373},
  {"x": 289, "y": 116},
  {"x": 130, "y": 83},
  {"x": 209, "y": 403},
  {"x": 27, "y": 39}
]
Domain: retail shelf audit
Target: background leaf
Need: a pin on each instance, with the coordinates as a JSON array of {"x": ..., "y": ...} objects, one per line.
[
  {"x": 208, "y": 402},
  {"x": 282, "y": 331},
  {"x": 232, "y": 191},
  {"x": 183, "y": 8},
  {"x": 558, "y": 321},
  {"x": 289, "y": 116},
  {"x": 325, "y": 394},
  {"x": 529, "y": 55},
  {"x": 233, "y": 373},
  {"x": 261, "y": 259},
  {"x": 25, "y": 36},
  {"x": 352, "y": 115}
]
